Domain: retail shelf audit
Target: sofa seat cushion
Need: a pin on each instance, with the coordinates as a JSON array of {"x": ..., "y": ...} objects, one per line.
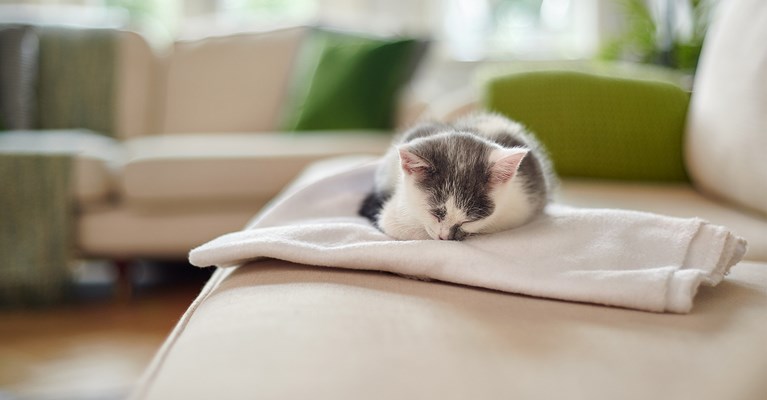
[
  {"x": 674, "y": 199},
  {"x": 122, "y": 232},
  {"x": 199, "y": 168},
  {"x": 266, "y": 326},
  {"x": 97, "y": 158}
]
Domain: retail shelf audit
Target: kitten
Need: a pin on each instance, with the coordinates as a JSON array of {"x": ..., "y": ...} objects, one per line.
[{"x": 482, "y": 174}]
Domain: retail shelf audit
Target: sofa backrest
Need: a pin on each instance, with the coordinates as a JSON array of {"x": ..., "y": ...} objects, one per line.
[
  {"x": 114, "y": 82},
  {"x": 137, "y": 102},
  {"x": 727, "y": 120},
  {"x": 235, "y": 83},
  {"x": 64, "y": 77}
]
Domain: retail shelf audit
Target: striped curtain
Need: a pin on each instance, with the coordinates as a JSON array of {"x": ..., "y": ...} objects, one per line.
[
  {"x": 76, "y": 87},
  {"x": 36, "y": 230},
  {"x": 18, "y": 76}
]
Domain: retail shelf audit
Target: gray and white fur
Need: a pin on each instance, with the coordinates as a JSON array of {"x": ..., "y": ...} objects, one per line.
[{"x": 484, "y": 173}]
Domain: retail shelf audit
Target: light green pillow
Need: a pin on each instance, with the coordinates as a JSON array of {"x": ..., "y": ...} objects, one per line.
[
  {"x": 348, "y": 81},
  {"x": 597, "y": 126}
]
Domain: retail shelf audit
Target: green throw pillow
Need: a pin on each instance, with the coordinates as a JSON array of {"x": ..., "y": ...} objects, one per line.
[
  {"x": 597, "y": 126},
  {"x": 347, "y": 81}
]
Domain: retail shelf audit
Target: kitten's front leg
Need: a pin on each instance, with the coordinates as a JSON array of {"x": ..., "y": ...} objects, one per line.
[
  {"x": 412, "y": 233},
  {"x": 396, "y": 222},
  {"x": 402, "y": 231}
]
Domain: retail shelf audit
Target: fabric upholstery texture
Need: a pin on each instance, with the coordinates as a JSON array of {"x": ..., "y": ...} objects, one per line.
[
  {"x": 178, "y": 227},
  {"x": 599, "y": 126},
  {"x": 265, "y": 326},
  {"x": 77, "y": 79},
  {"x": 18, "y": 76},
  {"x": 166, "y": 169},
  {"x": 138, "y": 85},
  {"x": 349, "y": 81},
  {"x": 36, "y": 231},
  {"x": 727, "y": 123},
  {"x": 121, "y": 232},
  {"x": 229, "y": 84}
]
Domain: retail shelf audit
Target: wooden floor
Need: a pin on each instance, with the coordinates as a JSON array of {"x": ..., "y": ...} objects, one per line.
[{"x": 89, "y": 350}]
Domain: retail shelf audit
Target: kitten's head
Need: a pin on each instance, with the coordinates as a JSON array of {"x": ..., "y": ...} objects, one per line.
[{"x": 452, "y": 182}]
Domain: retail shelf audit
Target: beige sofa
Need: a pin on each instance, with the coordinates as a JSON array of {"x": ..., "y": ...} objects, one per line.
[
  {"x": 198, "y": 147},
  {"x": 272, "y": 329}
]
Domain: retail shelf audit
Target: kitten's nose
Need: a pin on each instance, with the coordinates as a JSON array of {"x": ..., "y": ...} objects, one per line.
[{"x": 452, "y": 233}]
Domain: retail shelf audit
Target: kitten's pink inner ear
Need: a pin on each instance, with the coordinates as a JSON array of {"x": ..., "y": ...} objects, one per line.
[
  {"x": 506, "y": 164},
  {"x": 411, "y": 163}
]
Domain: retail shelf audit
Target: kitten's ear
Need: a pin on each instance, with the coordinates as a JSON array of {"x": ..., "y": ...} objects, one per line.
[
  {"x": 505, "y": 164},
  {"x": 411, "y": 163}
]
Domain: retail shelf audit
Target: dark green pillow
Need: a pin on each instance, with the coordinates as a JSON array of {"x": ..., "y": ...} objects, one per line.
[
  {"x": 348, "y": 81},
  {"x": 597, "y": 126}
]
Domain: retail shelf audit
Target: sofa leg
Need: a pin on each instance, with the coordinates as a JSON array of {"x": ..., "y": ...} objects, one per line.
[{"x": 124, "y": 283}]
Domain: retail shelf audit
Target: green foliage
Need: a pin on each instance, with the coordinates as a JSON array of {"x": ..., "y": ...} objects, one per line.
[
  {"x": 138, "y": 9},
  {"x": 640, "y": 40}
]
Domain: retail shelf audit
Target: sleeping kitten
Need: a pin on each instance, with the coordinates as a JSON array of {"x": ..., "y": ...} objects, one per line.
[{"x": 483, "y": 174}]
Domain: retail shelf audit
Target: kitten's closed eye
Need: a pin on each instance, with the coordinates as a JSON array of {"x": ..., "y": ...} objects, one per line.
[{"x": 439, "y": 213}]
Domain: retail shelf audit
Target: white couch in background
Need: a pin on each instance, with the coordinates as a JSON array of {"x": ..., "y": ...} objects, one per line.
[{"x": 199, "y": 146}]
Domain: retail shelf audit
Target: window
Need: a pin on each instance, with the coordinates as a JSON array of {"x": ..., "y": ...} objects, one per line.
[
  {"x": 498, "y": 29},
  {"x": 465, "y": 29}
]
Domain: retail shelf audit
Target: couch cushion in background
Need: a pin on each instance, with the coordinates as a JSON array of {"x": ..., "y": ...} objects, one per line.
[
  {"x": 18, "y": 76},
  {"x": 178, "y": 226},
  {"x": 192, "y": 169},
  {"x": 137, "y": 105},
  {"x": 599, "y": 126},
  {"x": 349, "y": 81},
  {"x": 727, "y": 123},
  {"x": 229, "y": 84},
  {"x": 96, "y": 158}
]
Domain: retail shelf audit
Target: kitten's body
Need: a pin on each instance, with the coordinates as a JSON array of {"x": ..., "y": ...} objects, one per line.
[{"x": 483, "y": 174}]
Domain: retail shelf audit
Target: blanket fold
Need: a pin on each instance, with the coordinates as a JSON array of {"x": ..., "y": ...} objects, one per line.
[{"x": 604, "y": 256}]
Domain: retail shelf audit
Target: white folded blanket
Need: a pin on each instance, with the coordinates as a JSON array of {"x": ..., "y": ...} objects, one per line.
[{"x": 605, "y": 256}]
